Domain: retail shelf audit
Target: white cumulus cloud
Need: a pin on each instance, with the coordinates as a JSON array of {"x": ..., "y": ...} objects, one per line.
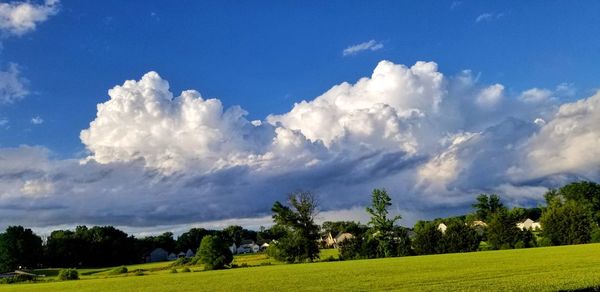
[
  {"x": 434, "y": 141},
  {"x": 18, "y": 18}
]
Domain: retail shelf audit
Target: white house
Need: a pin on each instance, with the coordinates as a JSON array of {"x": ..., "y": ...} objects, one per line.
[
  {"x": 248, "y": 246},
  {"x": 328, "y": 240},
  {"x": 529, "y": 224},
  {"x": 442, "y": 227},
  {"x": 342, "y": 237},
  {"x": 264, "y": 246}
]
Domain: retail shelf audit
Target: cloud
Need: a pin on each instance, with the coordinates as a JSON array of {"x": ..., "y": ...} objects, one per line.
[
  {"x": 434, "y": 141},
  {"x": 355, "y": 49},
  {"x": 488, "y": 16},
  {"x": 568, "y": 143},
  {"x": 491, "y": 95},
  {"x": 3, "y": 122},
  {"x": 18, "y": 18},
  {"x": 12, "y": 85},
  {"x": 37, "y": 120}
]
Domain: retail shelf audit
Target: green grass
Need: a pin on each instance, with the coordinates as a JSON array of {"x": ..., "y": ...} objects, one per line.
[{"x": 538, "y": 269}]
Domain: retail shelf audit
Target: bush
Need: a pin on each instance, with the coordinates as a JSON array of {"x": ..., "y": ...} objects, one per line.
[
  {"x": 595, "y": 236},
  {"x": 118, "y": 270},
  {"x": 214, "y": 253},
  {"x": 68, "y": 274},
  {"x": 139, "y": 272},
  {"x": 185, "y": 270},
  {"x": 173, "y": 271},
  {"x": 181, "y": 262},
  {"x": 18, "y": 279}
]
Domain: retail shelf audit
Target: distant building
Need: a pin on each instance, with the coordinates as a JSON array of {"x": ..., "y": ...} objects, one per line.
[
  {"x": 442, "y": 227},
  {"x": 233, "y": 248},
  {"x": 264, "y": 246},
  {"x": 171, "y": 257},
  {"x": 157, "y": 255},
  {"x": 529, "y": 224},
  {"x": 342, "y": 237},
  {"x": 248, "y": 246},
  {"x": 327, "y": 240},
  {"x": 189, "y": 254}
]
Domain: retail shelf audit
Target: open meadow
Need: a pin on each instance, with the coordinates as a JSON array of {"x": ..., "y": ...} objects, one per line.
[{"x": 536, "y": 269}]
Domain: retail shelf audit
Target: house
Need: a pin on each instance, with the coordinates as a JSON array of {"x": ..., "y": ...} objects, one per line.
[
  {"x": 264, "y": 246},
  {"x": 479, "y": 226},
  {"x": 529, "y": 224},
  {"x": 442, "y": 227},
  {"x": 157, "y": 255},
  {"x": 342, "y": 237},
  {"x": 233, "y": 248},
  {"x": 171, "y": 257},
  {"x": 189, "y": 254},
  {"x": 19, "y": 274},
  {"x": 248, "y": 246},
  {"x": 328, "y": 240}
]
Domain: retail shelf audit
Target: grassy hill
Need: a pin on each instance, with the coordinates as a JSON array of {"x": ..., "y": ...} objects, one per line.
[{"x": 538, "y": 269}]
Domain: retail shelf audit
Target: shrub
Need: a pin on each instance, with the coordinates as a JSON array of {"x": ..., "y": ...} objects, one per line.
[
  {"x": 181, "y": 262},
  {"x": 186, "y": 270},
  {"x": 173, "y": 271},
  {"x": 68, "y": 274},
  {"x": 118, "y": 270},
  {"x": 139, "y": 272}
]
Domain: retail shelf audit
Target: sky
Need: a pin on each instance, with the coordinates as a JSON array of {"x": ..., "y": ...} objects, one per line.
[{"x": 168, "y": 115}]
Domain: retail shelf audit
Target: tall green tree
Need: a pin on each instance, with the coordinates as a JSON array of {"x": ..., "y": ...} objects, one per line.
[
  {"x": 300, "y": 243},
  {"x": 214, "y": 253},
  {"x": 584, "y": 192},
  {"x": 460, "y": 237},
  {"x": 428, "y": 238},
  {"x": 487, "y": 205},
  {"x": 567, "y": 223},
  {"x": 381, "y": 227},
  {"x": 19, "y": 247},
  {"x": 502, "y": 231}
]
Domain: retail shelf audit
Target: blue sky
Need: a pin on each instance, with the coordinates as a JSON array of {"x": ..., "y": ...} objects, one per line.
[
  {"x": 267, "y": 55},
  {"x": 455, "y": 98}
]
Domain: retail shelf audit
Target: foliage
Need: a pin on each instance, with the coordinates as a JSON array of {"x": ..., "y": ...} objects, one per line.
[
  {"x": 337, "y": 227},
  {"x": 235, "y": 234},
  {"x": 502, "y": 231},
  {"x": 19, "y": 247},
  {"x": 567, "y": 223},
  {"x": 214, "y": 253},
  {"x": 99, "y": 246},
  {"x": 460, "y": 237},
  {"x": 68, "y": 274},
  {"x": 118, "y": 270},
  {"x": 300, "y": 242},
  {"x": 186, "y": 270},
  {"x": 192, "y": 238},
  {"x": 382, "y": 228},
  {"x": 428, "y": 239},
  {"x": 583, "y": 192},
  {"x": 487, "y": 205}
]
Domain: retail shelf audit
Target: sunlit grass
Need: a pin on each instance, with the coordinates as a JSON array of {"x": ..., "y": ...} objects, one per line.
[{"x": 537, "y": 269}]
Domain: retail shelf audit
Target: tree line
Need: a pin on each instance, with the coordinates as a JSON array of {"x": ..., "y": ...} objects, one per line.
[
  {"x": 571, "y": 215},
  {"x": 104, "y": 246}
]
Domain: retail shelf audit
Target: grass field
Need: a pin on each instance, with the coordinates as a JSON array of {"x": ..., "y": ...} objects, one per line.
[{"x": 538, "y": 269}]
